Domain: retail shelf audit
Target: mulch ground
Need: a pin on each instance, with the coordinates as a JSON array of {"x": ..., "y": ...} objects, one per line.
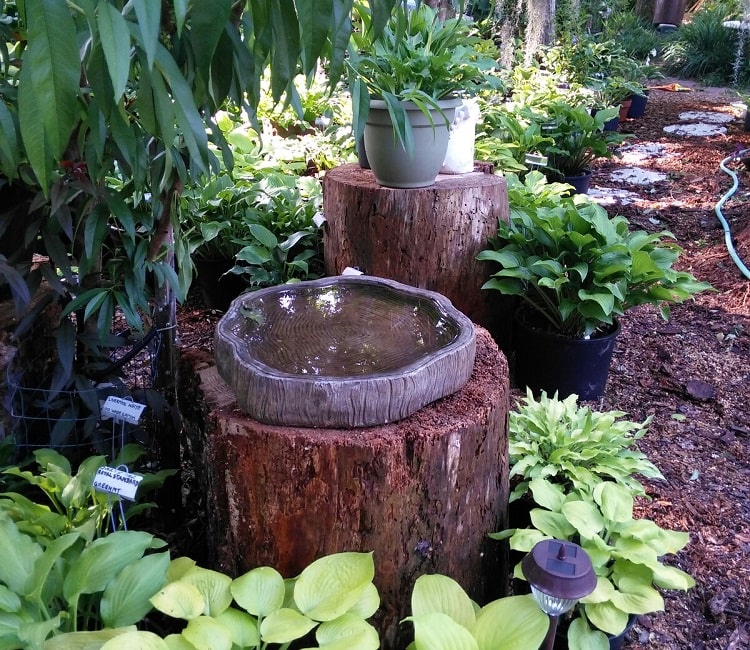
[{"x": 692, "y": 373}]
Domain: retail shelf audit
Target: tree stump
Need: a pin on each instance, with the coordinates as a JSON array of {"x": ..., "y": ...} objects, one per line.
[
  {"x": 427, "y": 237},
  {"x": 421, "y": 494}
]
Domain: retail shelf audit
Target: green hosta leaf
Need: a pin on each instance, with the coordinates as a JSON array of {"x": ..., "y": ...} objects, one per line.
[
  {"x": 242, "y": 626},
  {"x": 637, "y": 599},
  {"x": 94, "y": 640},
  {"x": 438, "y": 631},
  {"x": 44, "y": 565},
  {"x": 552, "y": 524},
  {"x": 368, "y": 602},
  {"x": 179, "y": 567},
  {"x": 285, "y": 625},
  {"x": 547, "y": 495},
  {"x": 115, "y": 39},
  {"x": 9, "y": 600},
  {"x": 615, "y": 501},
  {"x": 140, "y": 640},
  {"x": 100, "y": 562},
  {"x": 214, "y": 586},
  {"x": 603, "y": 592},
  {"x": 180, "y": 600},
  {"x": 669, "y": 577},
  {"x": 178, "y": 642},
  {"x": 20, "y": 556},
  {"x": 438, "y": 593},
  {"x": 347, "y": 633},
  {"x": 260, "y": 591},
  {"x": 126, "y": 600},
  {"x": 264, "y": 235},
  {"x": 582, "y": 637},
  {"x": 585, "y": 517},
  {"x": 607, "y": 617},
  {"x": 635, "y": 551},
  {"x": 332, "y": 585},
  {"x": 523, "y": 627},
  {"x": 524, "y": 539},
  {"x": 207, "y": 632}
]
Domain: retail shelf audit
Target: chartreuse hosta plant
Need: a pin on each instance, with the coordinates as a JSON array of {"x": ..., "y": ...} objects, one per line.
[
  {"x": 258, "y": 610},
  {"x": 625, "y": 552},
  {"x": 575, "y": 268},
  {"x": 445, "y": 618},
  {"x": 574, "y": 446}
]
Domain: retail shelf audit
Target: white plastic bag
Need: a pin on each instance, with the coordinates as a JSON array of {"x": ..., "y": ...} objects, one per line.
[{"x": 459, "y": 159}]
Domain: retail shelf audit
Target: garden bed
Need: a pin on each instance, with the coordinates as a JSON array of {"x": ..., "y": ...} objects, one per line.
[{"x": 692, "y": 373}]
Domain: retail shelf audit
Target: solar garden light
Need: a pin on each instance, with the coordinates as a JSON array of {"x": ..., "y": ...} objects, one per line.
[{"x": 560, "y": 573}]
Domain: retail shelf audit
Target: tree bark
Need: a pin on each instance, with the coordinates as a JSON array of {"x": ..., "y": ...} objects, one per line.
[
  {"x": 540, "y": 26},
  {"x": 421, "y": 494},
  {"x": 427, "y": 238}
]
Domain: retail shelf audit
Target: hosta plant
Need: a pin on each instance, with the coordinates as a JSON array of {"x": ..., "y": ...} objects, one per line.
[
  {"x": 574, "y": 446},
  {"x": 626, "y": 554},
  {"x": 445, "y": 618},
  {"x": 331, "y": 598},
  {"x": 576, "y": 269}
]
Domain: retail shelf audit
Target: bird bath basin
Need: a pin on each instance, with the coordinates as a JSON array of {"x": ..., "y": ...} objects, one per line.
[{"x": 344, "y": 351}]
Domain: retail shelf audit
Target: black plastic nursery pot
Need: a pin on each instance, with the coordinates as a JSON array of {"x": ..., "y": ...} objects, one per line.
[
  {"x": 638, "y": 106},
  {"x": 560, "y": 364},
  {"x": 581, "y": 183}
]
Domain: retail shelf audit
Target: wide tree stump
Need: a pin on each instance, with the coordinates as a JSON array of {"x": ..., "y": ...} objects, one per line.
[
  {"x": 421, "y": 494},
  {"x": 427, "y": 237}
]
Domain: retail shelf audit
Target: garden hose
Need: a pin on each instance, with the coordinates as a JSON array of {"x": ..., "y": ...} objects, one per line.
[{"x": 727, "y": 233}]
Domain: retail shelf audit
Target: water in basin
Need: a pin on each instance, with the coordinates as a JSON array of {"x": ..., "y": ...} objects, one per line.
[{"x": 341, "y": 330}]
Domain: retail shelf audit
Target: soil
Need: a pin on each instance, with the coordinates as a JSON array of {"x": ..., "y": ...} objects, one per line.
[{"x": 691, "y": 373}]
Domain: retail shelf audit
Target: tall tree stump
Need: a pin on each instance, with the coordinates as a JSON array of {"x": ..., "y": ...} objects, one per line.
[
  {"x": 427, "y": 237},
  {"x": 421, "y": 494}
]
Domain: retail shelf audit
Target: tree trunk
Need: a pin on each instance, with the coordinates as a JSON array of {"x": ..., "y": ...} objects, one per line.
[
  {"x": 421, "y": 494},
  {"x": 645, "y": 9},
  {"x": 540, "y": 26},
  {"x": 427, "y": 238}
]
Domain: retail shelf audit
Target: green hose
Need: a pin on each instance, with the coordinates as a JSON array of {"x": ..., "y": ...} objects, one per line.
[{"x": 727, "y": 233}]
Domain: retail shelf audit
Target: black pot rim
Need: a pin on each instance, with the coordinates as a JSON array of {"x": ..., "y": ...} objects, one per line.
[{"x": 521, "y": 315}]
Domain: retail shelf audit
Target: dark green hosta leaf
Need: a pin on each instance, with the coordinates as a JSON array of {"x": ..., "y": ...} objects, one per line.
[{"x": 126, "y": 599}]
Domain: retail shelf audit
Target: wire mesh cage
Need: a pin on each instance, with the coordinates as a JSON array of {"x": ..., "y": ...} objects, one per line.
[{"x": 48, "y": 412}]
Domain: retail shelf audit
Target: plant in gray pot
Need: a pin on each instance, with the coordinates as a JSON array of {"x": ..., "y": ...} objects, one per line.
[
  {"x": 574, "y": 271},
  {"x": 406, "y": 83}
]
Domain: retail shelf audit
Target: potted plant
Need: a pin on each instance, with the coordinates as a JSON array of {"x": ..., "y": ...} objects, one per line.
[
  {"x": 406, "y": 83},
  {"x": 578, "y": 139},
  {"x": 575, "y": 270},
  {"x": 626, "y": 554}
]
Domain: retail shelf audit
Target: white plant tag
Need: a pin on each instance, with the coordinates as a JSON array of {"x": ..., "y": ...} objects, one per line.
[
  {"x": 122, "y": 410},
  {"x": 115, "y": 481}
]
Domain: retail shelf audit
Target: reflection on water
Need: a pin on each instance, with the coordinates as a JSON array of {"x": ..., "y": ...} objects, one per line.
[{"x": 341, "y": 329}]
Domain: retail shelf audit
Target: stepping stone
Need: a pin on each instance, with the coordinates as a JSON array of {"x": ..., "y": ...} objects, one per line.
[
  {"x": 613, "y": 196},
  {"x": 699, "y": 129},
  {"x": 712, "y": 117},
  {"x": 637, "y": 176}
]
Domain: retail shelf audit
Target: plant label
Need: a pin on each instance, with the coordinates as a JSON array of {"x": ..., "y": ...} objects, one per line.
[
  {"x": 115, "y": 481},
  {"x": 123, "y": 410}
]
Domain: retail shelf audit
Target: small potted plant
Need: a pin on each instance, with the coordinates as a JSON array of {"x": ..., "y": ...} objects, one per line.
[
  {"x": 626, "y": 554},
  {"x": 406, "y": 82},
  {"x": 575, "y": 270},
  {"x": 578, "y": 138}
]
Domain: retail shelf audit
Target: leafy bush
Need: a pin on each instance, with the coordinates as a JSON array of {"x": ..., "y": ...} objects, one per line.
[
  {"x": 574, "y": 447},
  {"x": 626, "y": 554},
  {"x": 704, "y": 49},
  {"x": 576, "y": 268}
]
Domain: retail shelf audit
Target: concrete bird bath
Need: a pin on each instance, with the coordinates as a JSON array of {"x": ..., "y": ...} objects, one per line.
[{"x": 342, "y": 352}]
